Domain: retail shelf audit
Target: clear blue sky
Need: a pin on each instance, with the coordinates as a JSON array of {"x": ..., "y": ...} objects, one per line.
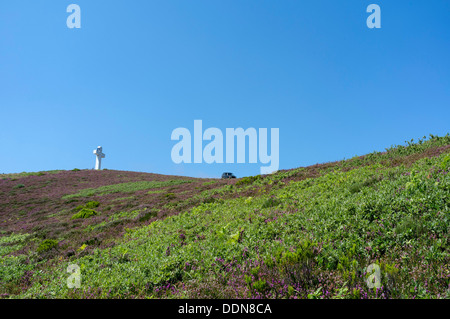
[{"x": 137, "y": 70}]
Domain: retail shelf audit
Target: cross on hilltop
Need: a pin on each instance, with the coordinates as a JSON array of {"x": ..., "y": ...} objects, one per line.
[{"x": 98, "y": 162}]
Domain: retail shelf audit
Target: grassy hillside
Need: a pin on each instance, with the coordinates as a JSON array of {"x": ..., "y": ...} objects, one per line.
[{"x": 304, "y": 233}]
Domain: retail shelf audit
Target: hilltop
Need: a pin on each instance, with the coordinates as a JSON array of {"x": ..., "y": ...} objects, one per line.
[
  {"x": 309, "y": 232},
  {"x": 43, "y": 203}
]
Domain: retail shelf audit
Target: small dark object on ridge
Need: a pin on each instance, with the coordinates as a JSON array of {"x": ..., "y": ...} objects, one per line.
[{"x": 228, "y": 175}]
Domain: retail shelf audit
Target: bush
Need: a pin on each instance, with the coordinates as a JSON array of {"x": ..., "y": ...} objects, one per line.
[
  {"x": 19, "y": 186},
  {"x": 76, "y": 170},
  {"x": 85, "y": 213},
  {"x": 88, "y": 205},
  {"x": 47, "y": 245},
  {"x": 92, "y": 204}
]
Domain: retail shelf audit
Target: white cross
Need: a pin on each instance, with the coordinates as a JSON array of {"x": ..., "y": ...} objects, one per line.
[{"x": 98, "y": 152}]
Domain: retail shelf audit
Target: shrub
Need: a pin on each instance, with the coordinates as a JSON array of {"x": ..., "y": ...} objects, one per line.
[
  {"x": 19, "y": 186},
  {"x": 46, "y": 245},
  {"x": 84, "y": 213},
  {"x": 76, "y": 170},
  {"x": 92, "y": 204},
  {"x": 88, "y": 205}
]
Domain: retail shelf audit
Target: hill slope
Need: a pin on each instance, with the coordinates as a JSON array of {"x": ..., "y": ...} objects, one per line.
[{"x": 303, "y": 233}]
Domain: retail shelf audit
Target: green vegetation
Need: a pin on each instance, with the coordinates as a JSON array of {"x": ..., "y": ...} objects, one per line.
[
  {"x": 248, "y": 180},
  {"x": 84, "y": 213},
  {"x": 209, "y": 183},
  {"x": 169, "y": 196},
  {"x": 11, "y": 243},
  {"x": 120, "y": 218},
  {"x": 89, "y": 205},
  {"x": 124, "y": 188},
  {"x": 46, "y": 245},
  {"x": 92, "y": 204},
  {"x": 123, "y": 198},
  {"x": 155, "y": 192},
  {"x": 148, "y": 215},
  {"x": 15, "y": 176},
  {"x": 271, "y": 202},
  {"x": 356, "y": 187},
  {"x": 306, "y": 233}
]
